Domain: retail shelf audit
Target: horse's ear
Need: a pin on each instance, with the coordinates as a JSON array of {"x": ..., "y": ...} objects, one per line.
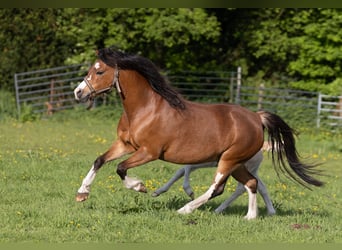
[{"x": 97, "y": 52}]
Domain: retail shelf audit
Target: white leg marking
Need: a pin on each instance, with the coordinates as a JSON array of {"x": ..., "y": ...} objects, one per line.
[
  {"x": 191, "y": 206},
  {"x": 252, "y": 205},
  {"x": 85, "y": 187},
  {"x": 252, "y": 166},
  {"x": 132, "y": 183}
]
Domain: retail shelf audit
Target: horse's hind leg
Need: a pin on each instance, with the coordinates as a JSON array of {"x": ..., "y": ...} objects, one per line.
[
  {"x": 264, "y": 194},
  {"x": 240, "y": 189},
  {"x": 216, "y": 188},
  {"x": 184, "y": 171},
  {"x": 252, "y": 166},
  {"x": 250, "y": 182},
  {"x": 188, "y": 169},
  {"x": 176, "y": 177}
]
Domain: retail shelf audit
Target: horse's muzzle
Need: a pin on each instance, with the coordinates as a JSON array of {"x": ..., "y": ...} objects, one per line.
[{"x": 79, "y": 95}]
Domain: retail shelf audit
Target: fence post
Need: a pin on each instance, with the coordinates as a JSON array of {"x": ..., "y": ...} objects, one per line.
[
  {"x": 319, "y": 104},
  {"x": 238, "y": 89},
  {"x": 231, "y": 88},
  {"x": 261, "y": 95},
  {"x": 17, "y": 93}
]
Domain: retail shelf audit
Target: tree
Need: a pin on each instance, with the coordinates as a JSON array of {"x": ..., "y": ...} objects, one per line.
[
  {"x": 319, "y": 63},
  {"x": 29, "y": 41},
  {"x": 302, "y": 43},
  {"x": 172, "y": 38}
]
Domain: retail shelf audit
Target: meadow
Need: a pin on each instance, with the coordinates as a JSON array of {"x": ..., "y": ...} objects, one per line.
[{"x": 43, "y": 162}]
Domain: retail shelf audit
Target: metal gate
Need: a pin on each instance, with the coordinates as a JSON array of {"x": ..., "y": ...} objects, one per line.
[
  {"x": 329, "y": 110},
  {"x": 48, "y": 90}
]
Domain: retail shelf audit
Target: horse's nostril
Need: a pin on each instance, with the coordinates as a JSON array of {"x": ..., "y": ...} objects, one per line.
[{"x": 78, "y": 93}]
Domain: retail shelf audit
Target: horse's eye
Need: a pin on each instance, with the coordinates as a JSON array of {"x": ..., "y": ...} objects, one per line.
[{"x": 99, "y": 73}]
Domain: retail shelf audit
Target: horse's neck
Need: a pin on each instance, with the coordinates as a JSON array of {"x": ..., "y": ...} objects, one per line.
[{"x": 137, "y": 96}]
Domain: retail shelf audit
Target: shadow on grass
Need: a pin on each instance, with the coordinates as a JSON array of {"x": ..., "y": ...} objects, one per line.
[
  {"x": 262, "y": 211},
  {"x": 174, "y": 203},
  {"x": 139, "y": 203}
]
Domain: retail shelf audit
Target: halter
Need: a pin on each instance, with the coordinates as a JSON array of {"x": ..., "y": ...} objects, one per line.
[
  {"x": 115, "y": 83},
  {"x": 94, "y": 92}
]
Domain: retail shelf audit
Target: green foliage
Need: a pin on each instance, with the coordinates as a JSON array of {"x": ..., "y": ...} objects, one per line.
[
  {"x": 8, "y": 108},
  {"x": 30, "y": 40},
  {"x": 302, "y": 43},
  {"x": 168, "y": 37},
  {"x": 305, "y": 43},
  {"x": 27, "y": 114},
  {"x": 9, "y": 111}
]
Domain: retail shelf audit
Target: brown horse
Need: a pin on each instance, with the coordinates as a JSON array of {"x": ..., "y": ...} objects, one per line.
[{"x": 157, "y": 123}]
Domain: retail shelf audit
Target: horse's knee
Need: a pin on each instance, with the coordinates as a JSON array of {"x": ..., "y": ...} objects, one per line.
[
  {"x": 219, "y": 190},
  {"x": 121, "y": 171},
  {"x": 252, "y": 184},
  {"x": 98, "y": 163}
]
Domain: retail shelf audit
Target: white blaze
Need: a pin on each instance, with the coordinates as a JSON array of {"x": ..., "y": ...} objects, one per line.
[{"x": 81, "y": 86}]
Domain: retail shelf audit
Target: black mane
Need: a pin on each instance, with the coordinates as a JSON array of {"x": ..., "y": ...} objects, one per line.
[{"x": 116, "y": 58}]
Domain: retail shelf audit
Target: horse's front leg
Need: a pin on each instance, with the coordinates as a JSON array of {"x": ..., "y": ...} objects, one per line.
[
  {"x": 117, "y": 150},
  {"x": 141, "y": 156}
]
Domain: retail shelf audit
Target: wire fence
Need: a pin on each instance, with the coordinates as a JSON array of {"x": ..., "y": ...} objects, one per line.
[
  {"x": 48, "y": 90},
  {"x": 51, "y": 90},
  {"x": 329, "y": 111}
]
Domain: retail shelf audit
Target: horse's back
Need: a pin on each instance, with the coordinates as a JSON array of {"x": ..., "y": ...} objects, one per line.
[
  {"x": 204, "y": 131},
  {"x": 226, "y": 117}
]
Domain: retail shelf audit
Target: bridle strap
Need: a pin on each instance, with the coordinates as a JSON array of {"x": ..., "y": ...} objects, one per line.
[
  {"x": 116, "y": 80},
  {"x": 115, "y": 83}
]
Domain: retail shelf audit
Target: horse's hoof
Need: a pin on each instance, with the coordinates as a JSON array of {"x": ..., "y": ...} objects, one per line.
[
  {"x": 82, "y": 197},
  {"x": 185, "y": 210},
  {"x": 192, "y": 196},
  {"x": 154, "y": 194},
  {"x": 142, "y": 188},
  {"x": 250, "y": 217},
  {"x": 271, "y": 213}
]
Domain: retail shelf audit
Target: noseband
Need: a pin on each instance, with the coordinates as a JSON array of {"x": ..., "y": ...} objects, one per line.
[{"x": 94, "y": 92}]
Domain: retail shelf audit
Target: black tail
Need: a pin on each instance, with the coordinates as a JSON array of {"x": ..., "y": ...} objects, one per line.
[{"x": 281, "y": 136}]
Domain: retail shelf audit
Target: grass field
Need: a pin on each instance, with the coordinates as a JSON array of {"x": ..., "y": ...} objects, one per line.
[{"x": 42, "y": 164}]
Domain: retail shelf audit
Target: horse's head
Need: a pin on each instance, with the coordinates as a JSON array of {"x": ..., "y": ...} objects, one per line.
[{"x": 101, "y": 78}]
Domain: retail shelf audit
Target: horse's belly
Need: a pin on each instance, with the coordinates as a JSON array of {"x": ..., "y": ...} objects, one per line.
[{"x": 193, "y": 153}]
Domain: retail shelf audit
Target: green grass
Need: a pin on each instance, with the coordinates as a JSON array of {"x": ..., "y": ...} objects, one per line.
[{"x": 42, "y": 164}]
